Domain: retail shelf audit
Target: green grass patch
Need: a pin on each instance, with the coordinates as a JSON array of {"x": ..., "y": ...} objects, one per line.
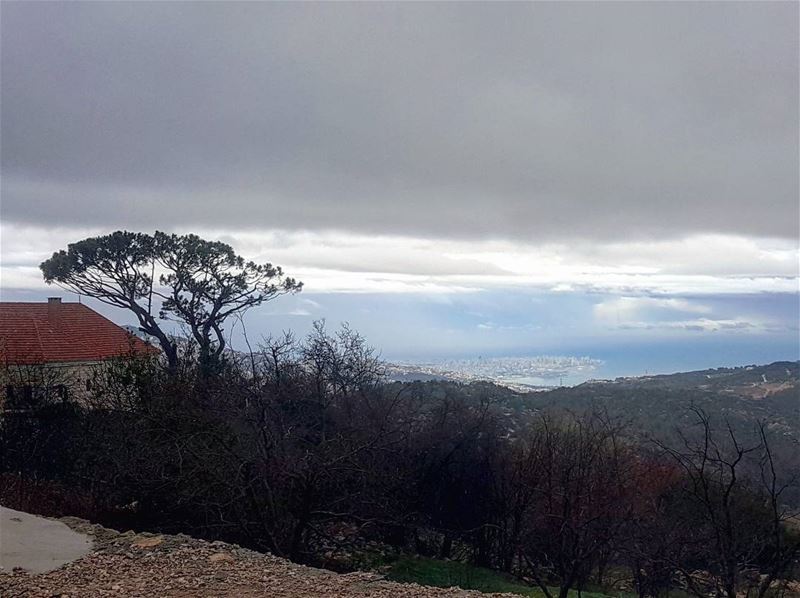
[{"x": 443, "y": 574}]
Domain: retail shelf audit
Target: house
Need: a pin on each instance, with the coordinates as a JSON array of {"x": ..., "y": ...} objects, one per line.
[{"x": 49, "y": 351}]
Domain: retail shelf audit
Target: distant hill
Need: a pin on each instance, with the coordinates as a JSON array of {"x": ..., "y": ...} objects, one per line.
[
  {"x": 659, "y": 406},
  {"x": 744, "y": 395},
  {"x": 749, "y": 381}
]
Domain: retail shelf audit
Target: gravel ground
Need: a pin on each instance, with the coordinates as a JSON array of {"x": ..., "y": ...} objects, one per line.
[{"x": 127, "y": 564}]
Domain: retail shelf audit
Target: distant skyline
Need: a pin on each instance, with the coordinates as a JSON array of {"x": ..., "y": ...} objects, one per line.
[{"x": 611, "y": 180}]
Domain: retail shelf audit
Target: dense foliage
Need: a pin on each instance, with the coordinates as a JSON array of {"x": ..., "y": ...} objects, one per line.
[{"x": 301, "y": 447}]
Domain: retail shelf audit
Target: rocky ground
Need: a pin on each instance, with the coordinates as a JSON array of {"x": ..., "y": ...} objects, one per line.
[{"x": 129, "y": 564}]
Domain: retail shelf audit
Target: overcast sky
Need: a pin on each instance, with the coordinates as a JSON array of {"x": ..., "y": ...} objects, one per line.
[{"x": 613, "y": 154}]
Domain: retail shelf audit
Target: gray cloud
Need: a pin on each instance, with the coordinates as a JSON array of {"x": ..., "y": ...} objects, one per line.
[{"x": 523, "y": 121}]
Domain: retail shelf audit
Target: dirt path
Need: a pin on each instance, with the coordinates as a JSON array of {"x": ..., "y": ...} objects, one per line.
[{"x": 179, "y": 566}]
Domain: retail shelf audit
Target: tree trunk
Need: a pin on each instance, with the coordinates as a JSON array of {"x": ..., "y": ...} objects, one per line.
[{"x": 447, "y": 547}]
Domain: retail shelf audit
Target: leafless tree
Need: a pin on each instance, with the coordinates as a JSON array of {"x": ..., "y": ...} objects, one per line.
[
  {"x": 734, "y": 489},
  {"x": 583, "y": 496}
]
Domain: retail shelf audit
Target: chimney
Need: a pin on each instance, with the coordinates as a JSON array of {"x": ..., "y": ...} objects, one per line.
[{"x": 53, "y": 309}]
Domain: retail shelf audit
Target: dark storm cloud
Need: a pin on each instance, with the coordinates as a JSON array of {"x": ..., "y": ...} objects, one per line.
[{"x": 526, "y": 121}]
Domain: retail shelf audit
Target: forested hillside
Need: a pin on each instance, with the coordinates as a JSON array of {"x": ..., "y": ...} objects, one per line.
[{"x": 302, "y": 449}]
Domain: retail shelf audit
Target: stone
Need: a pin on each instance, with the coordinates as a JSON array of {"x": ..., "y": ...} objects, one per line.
[
  {"x": 218, "y": 557},
  {"x": 148, "y": 542}
]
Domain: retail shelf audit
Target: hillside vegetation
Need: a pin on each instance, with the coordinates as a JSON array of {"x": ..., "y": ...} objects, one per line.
[{"x": 304, "y": 451}]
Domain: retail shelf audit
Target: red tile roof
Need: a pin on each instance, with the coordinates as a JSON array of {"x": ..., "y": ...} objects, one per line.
[{"x": 35, "y": 333}]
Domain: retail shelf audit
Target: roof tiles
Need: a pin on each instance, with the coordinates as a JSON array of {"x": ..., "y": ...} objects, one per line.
[{"x": 37, "y": 333}]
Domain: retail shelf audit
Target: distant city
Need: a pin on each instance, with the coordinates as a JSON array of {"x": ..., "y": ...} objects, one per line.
[{"x": 539, "y": 372}]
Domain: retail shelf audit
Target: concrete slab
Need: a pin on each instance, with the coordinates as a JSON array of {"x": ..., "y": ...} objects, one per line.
[{"x": 37, "y": 544}]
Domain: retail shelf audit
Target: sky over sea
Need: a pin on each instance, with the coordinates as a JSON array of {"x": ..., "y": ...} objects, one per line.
[{"x": 611, "y": 180}]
